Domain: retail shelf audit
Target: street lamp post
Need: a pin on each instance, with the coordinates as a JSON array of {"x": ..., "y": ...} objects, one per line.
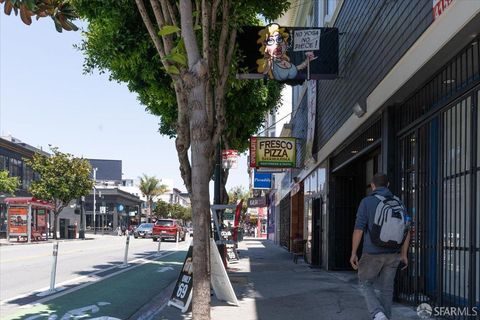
[{"x": 94, "y": 200}]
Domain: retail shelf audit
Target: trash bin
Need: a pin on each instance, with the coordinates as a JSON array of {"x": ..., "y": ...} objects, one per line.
[
  {"x": 64, "y": 228},
  {"x": 71, "y": 232}
]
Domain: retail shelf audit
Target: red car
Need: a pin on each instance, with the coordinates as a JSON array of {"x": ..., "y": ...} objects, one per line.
[{"x": 168, "y": 229}]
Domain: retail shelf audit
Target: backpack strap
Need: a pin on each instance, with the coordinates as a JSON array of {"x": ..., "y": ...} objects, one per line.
[{"x": 379, "y": 197}]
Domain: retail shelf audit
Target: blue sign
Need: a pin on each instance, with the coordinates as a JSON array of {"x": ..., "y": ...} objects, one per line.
[
  {"x": 120, "y": 207},
  {"x": 262, "y": 180}
]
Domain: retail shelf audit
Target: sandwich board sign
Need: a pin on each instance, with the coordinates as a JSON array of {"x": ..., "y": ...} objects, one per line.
[
  {"x": 182, "y": 293},
  {"x": 232, "y": 254}
]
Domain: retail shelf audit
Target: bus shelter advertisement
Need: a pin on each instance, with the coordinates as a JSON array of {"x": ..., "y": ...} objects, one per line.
[
  {"x": 17, "y": 220},
  {"x": 272, "y": 152}
]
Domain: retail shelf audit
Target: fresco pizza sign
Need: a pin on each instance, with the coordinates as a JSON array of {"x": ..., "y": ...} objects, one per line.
[{"x": 272, "y": 152}]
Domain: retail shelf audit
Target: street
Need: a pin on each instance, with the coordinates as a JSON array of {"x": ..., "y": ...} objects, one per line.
[{"x": 25, "y": 270}]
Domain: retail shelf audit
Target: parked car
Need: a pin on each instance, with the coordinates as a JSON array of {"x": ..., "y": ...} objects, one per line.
[
  {"x": 143, "y": 231},
  {"x": 168, "y": 229}
]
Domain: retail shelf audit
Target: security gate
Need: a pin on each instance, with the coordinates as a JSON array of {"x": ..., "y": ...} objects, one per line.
[{"x": 439, "y": 182}]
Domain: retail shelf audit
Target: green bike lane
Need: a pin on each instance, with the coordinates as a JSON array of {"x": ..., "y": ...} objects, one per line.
[{"x": 117, "y": 296}]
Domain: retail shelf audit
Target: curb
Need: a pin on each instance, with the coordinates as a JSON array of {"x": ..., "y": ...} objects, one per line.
[{"x": 152, "y": 309}]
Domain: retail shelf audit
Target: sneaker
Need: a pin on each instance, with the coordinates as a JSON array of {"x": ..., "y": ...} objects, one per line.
[{"x": 380, "y": 316}]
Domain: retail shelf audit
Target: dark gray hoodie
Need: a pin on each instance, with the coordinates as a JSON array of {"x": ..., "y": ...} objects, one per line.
[{"x": 365, "y": 217}]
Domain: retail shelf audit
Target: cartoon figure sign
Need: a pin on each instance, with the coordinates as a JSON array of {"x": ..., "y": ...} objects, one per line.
[
  {"x": 289, "y": 55},
  {"x": 274, "y": 43}
]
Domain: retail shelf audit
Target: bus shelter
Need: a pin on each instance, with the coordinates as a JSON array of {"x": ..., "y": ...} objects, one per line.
[{"x": 28, "y": 218}]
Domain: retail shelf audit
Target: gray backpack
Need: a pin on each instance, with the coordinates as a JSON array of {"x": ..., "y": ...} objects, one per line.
[{"x": 389, "y": 228}]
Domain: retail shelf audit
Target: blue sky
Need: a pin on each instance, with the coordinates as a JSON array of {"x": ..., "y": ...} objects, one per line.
[{"x": 46, "y": 99}]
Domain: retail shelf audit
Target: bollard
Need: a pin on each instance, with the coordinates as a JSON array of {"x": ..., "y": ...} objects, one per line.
[
  {"x": 126, "y": 252},
  {"x": 176, "y": 238},
  {"x": 54, "y": 267},
  {"x": 159, "y": 243}
]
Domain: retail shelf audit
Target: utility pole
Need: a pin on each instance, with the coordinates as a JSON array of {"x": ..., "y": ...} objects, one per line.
[
  {"x": 94, "y": 200},
  {"x": 82, "y": 218}
]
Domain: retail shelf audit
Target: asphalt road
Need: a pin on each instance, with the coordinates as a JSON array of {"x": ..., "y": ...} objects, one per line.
[{"x": 25, "y": 270}]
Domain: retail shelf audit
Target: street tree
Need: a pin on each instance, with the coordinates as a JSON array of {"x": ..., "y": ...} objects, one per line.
[
  {"x": 162, "y": 209},
  {"x": 63, "y": 178},
  {"x": 150, "y": 188},
  {"x": 8, "y": 185},
  {"x": 174, "y": 211},
  {"x": 117, "y": 43},
  {"x": 194, "y": 46}
]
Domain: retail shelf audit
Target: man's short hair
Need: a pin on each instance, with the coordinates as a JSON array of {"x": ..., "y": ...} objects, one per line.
[{"x": 380, "y": 180}]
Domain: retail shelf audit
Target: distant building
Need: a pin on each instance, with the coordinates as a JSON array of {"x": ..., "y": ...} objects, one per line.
[{"x": 12, "y": 154}]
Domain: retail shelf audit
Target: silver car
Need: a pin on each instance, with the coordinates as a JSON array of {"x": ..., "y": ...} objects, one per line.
[{"x": 143, "y": 231}]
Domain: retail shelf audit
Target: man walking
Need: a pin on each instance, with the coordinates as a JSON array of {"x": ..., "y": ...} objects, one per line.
[{"x": 383, "y": 221}]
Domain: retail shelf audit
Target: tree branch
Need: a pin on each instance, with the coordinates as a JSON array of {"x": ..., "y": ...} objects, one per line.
[
  {"x": 182, "y": 142},
  {"x": 162, "y": 21},
  {"x": 166, "y": 13},
  {"x": 220, "y": 89},
  {"x": 197, "y": 8},
  {"x": 173, "y": 13},
  {"x": 151, "y": 29},
  {"x": 188, "y": 34},
  {"x": 206, "y": 31},
  {"x": 214, "y": 15},
  {"x": 223, "y": 37}
]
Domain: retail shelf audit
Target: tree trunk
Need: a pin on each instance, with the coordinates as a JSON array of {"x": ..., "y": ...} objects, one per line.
[
  {"x": 201, "y": 155},
  {"x": 55, "y": 224}
]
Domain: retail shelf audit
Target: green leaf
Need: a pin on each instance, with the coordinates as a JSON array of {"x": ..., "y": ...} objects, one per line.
[
  {"x": 177, "y": 57},
  {"x": 172, "y": 70},
  {"x": 166, "y": 30},
  {"x": 31, "y": 5}
]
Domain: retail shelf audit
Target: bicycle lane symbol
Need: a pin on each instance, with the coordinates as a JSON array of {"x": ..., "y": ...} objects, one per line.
[{"x": 79, "y": 313}]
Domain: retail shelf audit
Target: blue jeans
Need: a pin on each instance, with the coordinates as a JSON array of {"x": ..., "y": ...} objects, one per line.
[{"x": 378, "y": 270}]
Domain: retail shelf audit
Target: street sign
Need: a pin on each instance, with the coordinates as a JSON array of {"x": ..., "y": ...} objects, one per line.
[
  {"x": 103, "y": 209},
  {"x": 262, "y": 180},
  {"x": 258, "y": 202}
]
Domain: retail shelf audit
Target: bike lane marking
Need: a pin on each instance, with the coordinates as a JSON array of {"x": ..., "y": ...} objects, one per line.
[
  {"x": 118, "y": 296},
  {"x": 87, "y": 278}
]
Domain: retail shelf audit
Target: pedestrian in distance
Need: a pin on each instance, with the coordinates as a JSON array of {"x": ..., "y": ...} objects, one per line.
[
  {"x": 383, "y": 222},
  {"x": 119, "y": 231}
]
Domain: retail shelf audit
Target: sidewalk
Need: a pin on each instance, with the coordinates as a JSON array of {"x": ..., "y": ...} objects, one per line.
[
  {"x": 88, "y": 236},
  {"x": 270, "y": 286}
]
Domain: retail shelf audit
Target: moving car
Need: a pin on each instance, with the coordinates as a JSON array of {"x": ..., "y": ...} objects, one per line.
[
  {"x": 168, "y": 229},
  {"x": 143, "y": 231}
]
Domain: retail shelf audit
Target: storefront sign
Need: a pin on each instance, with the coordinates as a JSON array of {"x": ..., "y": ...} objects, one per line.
[
  {"x": 229, "y": 159},
  {"x": 272, "y": 152},
  {"x": 257, "y": 202},
  {"x": 17, "y": 221},
  {"x": 289, "y": 55},
  {"x": 439, "y": 7},
  {"x": 262, "y": 180}
]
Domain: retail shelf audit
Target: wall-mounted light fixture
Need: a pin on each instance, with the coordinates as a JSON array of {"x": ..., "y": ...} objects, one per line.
[{"x": 358, "y": 110}]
